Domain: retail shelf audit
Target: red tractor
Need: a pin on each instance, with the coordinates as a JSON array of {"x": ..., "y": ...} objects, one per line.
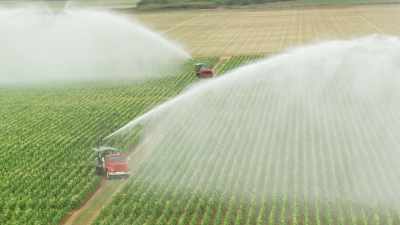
[
  {"x": 203, "y": 71},
  {"x": 111, "y": 162}
]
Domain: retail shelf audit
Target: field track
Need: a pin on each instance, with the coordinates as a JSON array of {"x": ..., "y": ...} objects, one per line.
[
  {"x": 226, "y": 32},
  {"x": 91, "y": 208}
]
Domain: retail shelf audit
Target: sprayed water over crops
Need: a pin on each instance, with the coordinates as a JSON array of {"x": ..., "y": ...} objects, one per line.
[
  {"x": 41, "y": 44},
  {"x": 317, "y": 124}
]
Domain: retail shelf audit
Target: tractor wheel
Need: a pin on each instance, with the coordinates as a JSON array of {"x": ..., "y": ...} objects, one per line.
[
  {"x": 99, "y": 171},
  {"x": 108, "y": 176}
]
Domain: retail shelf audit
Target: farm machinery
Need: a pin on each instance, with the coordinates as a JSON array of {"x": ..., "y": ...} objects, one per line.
[
  {"x": 111, "y": 162},
  {"x": 203, "y": 70}
]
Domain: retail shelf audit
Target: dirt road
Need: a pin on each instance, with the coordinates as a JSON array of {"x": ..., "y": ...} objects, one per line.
[{"x": 91, "y": 209}]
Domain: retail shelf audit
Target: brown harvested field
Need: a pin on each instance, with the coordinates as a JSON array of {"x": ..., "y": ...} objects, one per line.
[{"x": 226, "y": 32}]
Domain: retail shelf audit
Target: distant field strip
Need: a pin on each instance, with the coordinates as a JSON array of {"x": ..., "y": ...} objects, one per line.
[{"x": 267, "y": 31}]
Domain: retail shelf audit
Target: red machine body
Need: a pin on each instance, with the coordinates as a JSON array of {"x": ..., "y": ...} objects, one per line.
[
  {"x": 111, "y": 162},
  {"x": 203, "y": 71},
  {"x": 116, "y": 164}
]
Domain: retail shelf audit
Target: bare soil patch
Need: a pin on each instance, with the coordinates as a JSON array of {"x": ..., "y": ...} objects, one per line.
[{"x": 227, "y": 32}]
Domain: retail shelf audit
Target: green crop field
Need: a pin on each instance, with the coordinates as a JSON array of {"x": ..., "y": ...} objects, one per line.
[
  {"x": 47, "y": 164},
  {"x": 47, "y": 138},
  {"x": 47, "y": 133}
]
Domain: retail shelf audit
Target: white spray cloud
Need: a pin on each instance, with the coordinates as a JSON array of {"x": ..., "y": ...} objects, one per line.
[
  {"x": 320, "y": 121},
  {"x": 38, "y": 45}
]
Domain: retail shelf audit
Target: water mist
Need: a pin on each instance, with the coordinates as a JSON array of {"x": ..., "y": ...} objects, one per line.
[
  {"x": 39, "y": 45},
  {"x": 319, "y": 122}
]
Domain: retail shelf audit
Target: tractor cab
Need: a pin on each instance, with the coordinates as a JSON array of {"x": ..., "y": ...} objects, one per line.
[
  {"x": 203, "y": 70},
  {"x": 111, "y": 162}
]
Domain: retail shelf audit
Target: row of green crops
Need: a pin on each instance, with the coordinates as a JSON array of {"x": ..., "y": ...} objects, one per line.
[
  {"x": 47, "y": 136},
  {"x": 179, "y": 197}
]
